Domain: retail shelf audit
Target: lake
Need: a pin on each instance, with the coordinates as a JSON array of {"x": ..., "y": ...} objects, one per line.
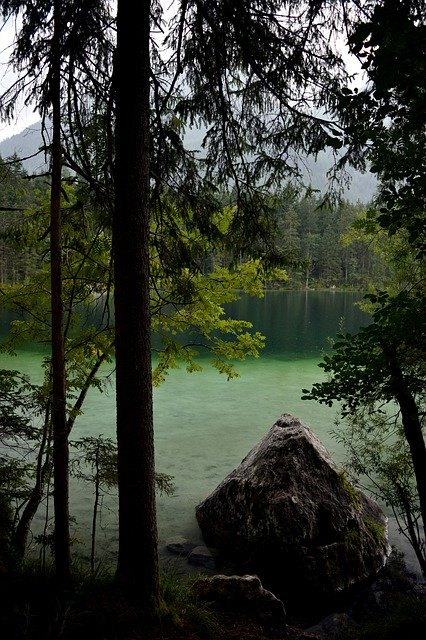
[{"x": 204, "y": 424}]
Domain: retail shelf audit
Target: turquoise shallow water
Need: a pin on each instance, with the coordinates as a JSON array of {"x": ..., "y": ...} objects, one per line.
[{"x": 204, "y": 424}]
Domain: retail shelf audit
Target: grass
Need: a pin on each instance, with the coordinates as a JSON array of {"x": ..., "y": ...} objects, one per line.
[{"x": 32, "y": 609}]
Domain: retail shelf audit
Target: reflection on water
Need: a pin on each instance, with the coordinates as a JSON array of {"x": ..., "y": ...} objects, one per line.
[{"x": 299, "y": 323}]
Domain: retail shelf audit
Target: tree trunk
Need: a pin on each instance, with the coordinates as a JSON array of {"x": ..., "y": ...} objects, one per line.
[
  {"x": 43, "y": 467},
  {"x": 20, "y": 536},
  {"x": 137, "y": 570},
  {"x": 60, "y": 434},
  {"x": 412, "y": 427},
  {"x": 95, "y": 509}
]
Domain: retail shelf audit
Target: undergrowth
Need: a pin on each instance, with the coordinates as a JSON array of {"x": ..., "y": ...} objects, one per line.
[
  {"x": 32, "y": 609},
  {"x": 405, "y": 620}
]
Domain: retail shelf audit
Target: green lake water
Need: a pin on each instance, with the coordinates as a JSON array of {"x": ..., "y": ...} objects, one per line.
[{"x": 204, "y": 424}]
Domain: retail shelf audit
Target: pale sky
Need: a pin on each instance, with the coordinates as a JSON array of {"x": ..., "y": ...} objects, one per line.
[{"x": 25, "y": 116}]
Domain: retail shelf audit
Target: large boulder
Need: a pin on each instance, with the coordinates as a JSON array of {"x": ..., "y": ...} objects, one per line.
[{"x": 289, "y": 515}]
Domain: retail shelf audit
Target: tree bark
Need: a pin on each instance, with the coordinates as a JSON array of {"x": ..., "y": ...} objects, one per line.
[
  {"x": 43, "y": 467},
  {"x": 60, "y": 433},
  {"x": 412, "y": 427},
  {"x": 95, "y": 509},
  {"x": 137, "y": 570}
]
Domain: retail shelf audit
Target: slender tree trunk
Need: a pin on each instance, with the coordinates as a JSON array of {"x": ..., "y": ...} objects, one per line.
[
  {"x": 43, "y": 467},
  {"x": 412, "y": 428},
  {"x": 413, "y": 532},
  {"x": 60, "y": 432},
  {"x": 137, "y": 570},
  {"x": 95, "y": 509}
]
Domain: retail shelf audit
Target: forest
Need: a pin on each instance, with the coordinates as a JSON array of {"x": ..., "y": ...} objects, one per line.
[
  {"x": 122, "y": 194},
  {"x": 318, "y": 248}
]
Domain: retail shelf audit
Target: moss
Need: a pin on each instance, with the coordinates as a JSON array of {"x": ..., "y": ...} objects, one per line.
[
  {"x": 376, "y": 530},
  {"x": 351, "y": 539},
  {"x": 350, "y": 491}
]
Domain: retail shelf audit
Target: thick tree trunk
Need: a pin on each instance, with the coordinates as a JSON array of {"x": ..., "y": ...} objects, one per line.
[
  {"x": 60, "y": 432},
  {"x": 137, "y": 570}
]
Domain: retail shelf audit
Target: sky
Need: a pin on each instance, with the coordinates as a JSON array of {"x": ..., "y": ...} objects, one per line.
[{"x": 26, "y": 116}]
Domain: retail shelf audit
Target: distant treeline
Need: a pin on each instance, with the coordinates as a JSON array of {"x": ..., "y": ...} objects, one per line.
[
  {"x": 311, "y": 236},
  {"x": 326, "y": 253},
  {"x": 18, "y": 193}
]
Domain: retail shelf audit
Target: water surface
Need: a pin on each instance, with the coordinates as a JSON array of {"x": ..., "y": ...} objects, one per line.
[{"x": 205, "y": 424}]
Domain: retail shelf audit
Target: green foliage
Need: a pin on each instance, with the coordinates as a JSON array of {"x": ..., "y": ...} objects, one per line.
[
  {"x": 385, "y": 123},
  {"x": 97, "y": 463},
  {"x": 377, "y": 531},
  {"x": 17, "y": 403},
  {"x": 20, "y": 403},
  {"x": 179, "y": 604},
  {"x": 378, "y": 454},
  {"x": 201, "y": 316},
  {"x": 191, "y": 289},
  {"x": 314, "y": 238},
  {"x": 164, "y": 483},
  {"x": 359, "y": 364},
  {"x": 17, "y": 193}
]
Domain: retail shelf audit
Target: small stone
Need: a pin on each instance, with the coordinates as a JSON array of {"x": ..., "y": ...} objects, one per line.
[
  {"x": 202, "y": 557},
  {"x": 330, "y": 628},
  {"x": 180, "y": 546}
]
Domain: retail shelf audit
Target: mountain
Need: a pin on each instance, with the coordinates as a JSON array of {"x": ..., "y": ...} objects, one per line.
[
  {"x": 26, "y": 145},
  {"x": 361, "y": 188}
]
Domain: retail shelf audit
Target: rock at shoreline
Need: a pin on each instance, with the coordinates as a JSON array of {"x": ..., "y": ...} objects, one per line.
[
  {"x": 290, "y": 516},
  {"x": 202, "y": 557},
  {"x": 243, "y": 593},
  {"x": 180, "y": 546}
]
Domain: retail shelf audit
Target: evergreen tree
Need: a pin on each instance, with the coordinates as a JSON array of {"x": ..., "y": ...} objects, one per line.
[{"x": 46, "y": 47}]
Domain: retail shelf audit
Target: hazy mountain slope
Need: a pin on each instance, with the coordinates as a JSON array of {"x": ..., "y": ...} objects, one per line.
[
  {"x": 26, "y": 144},
  {"x": 361, "y": 188}
]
